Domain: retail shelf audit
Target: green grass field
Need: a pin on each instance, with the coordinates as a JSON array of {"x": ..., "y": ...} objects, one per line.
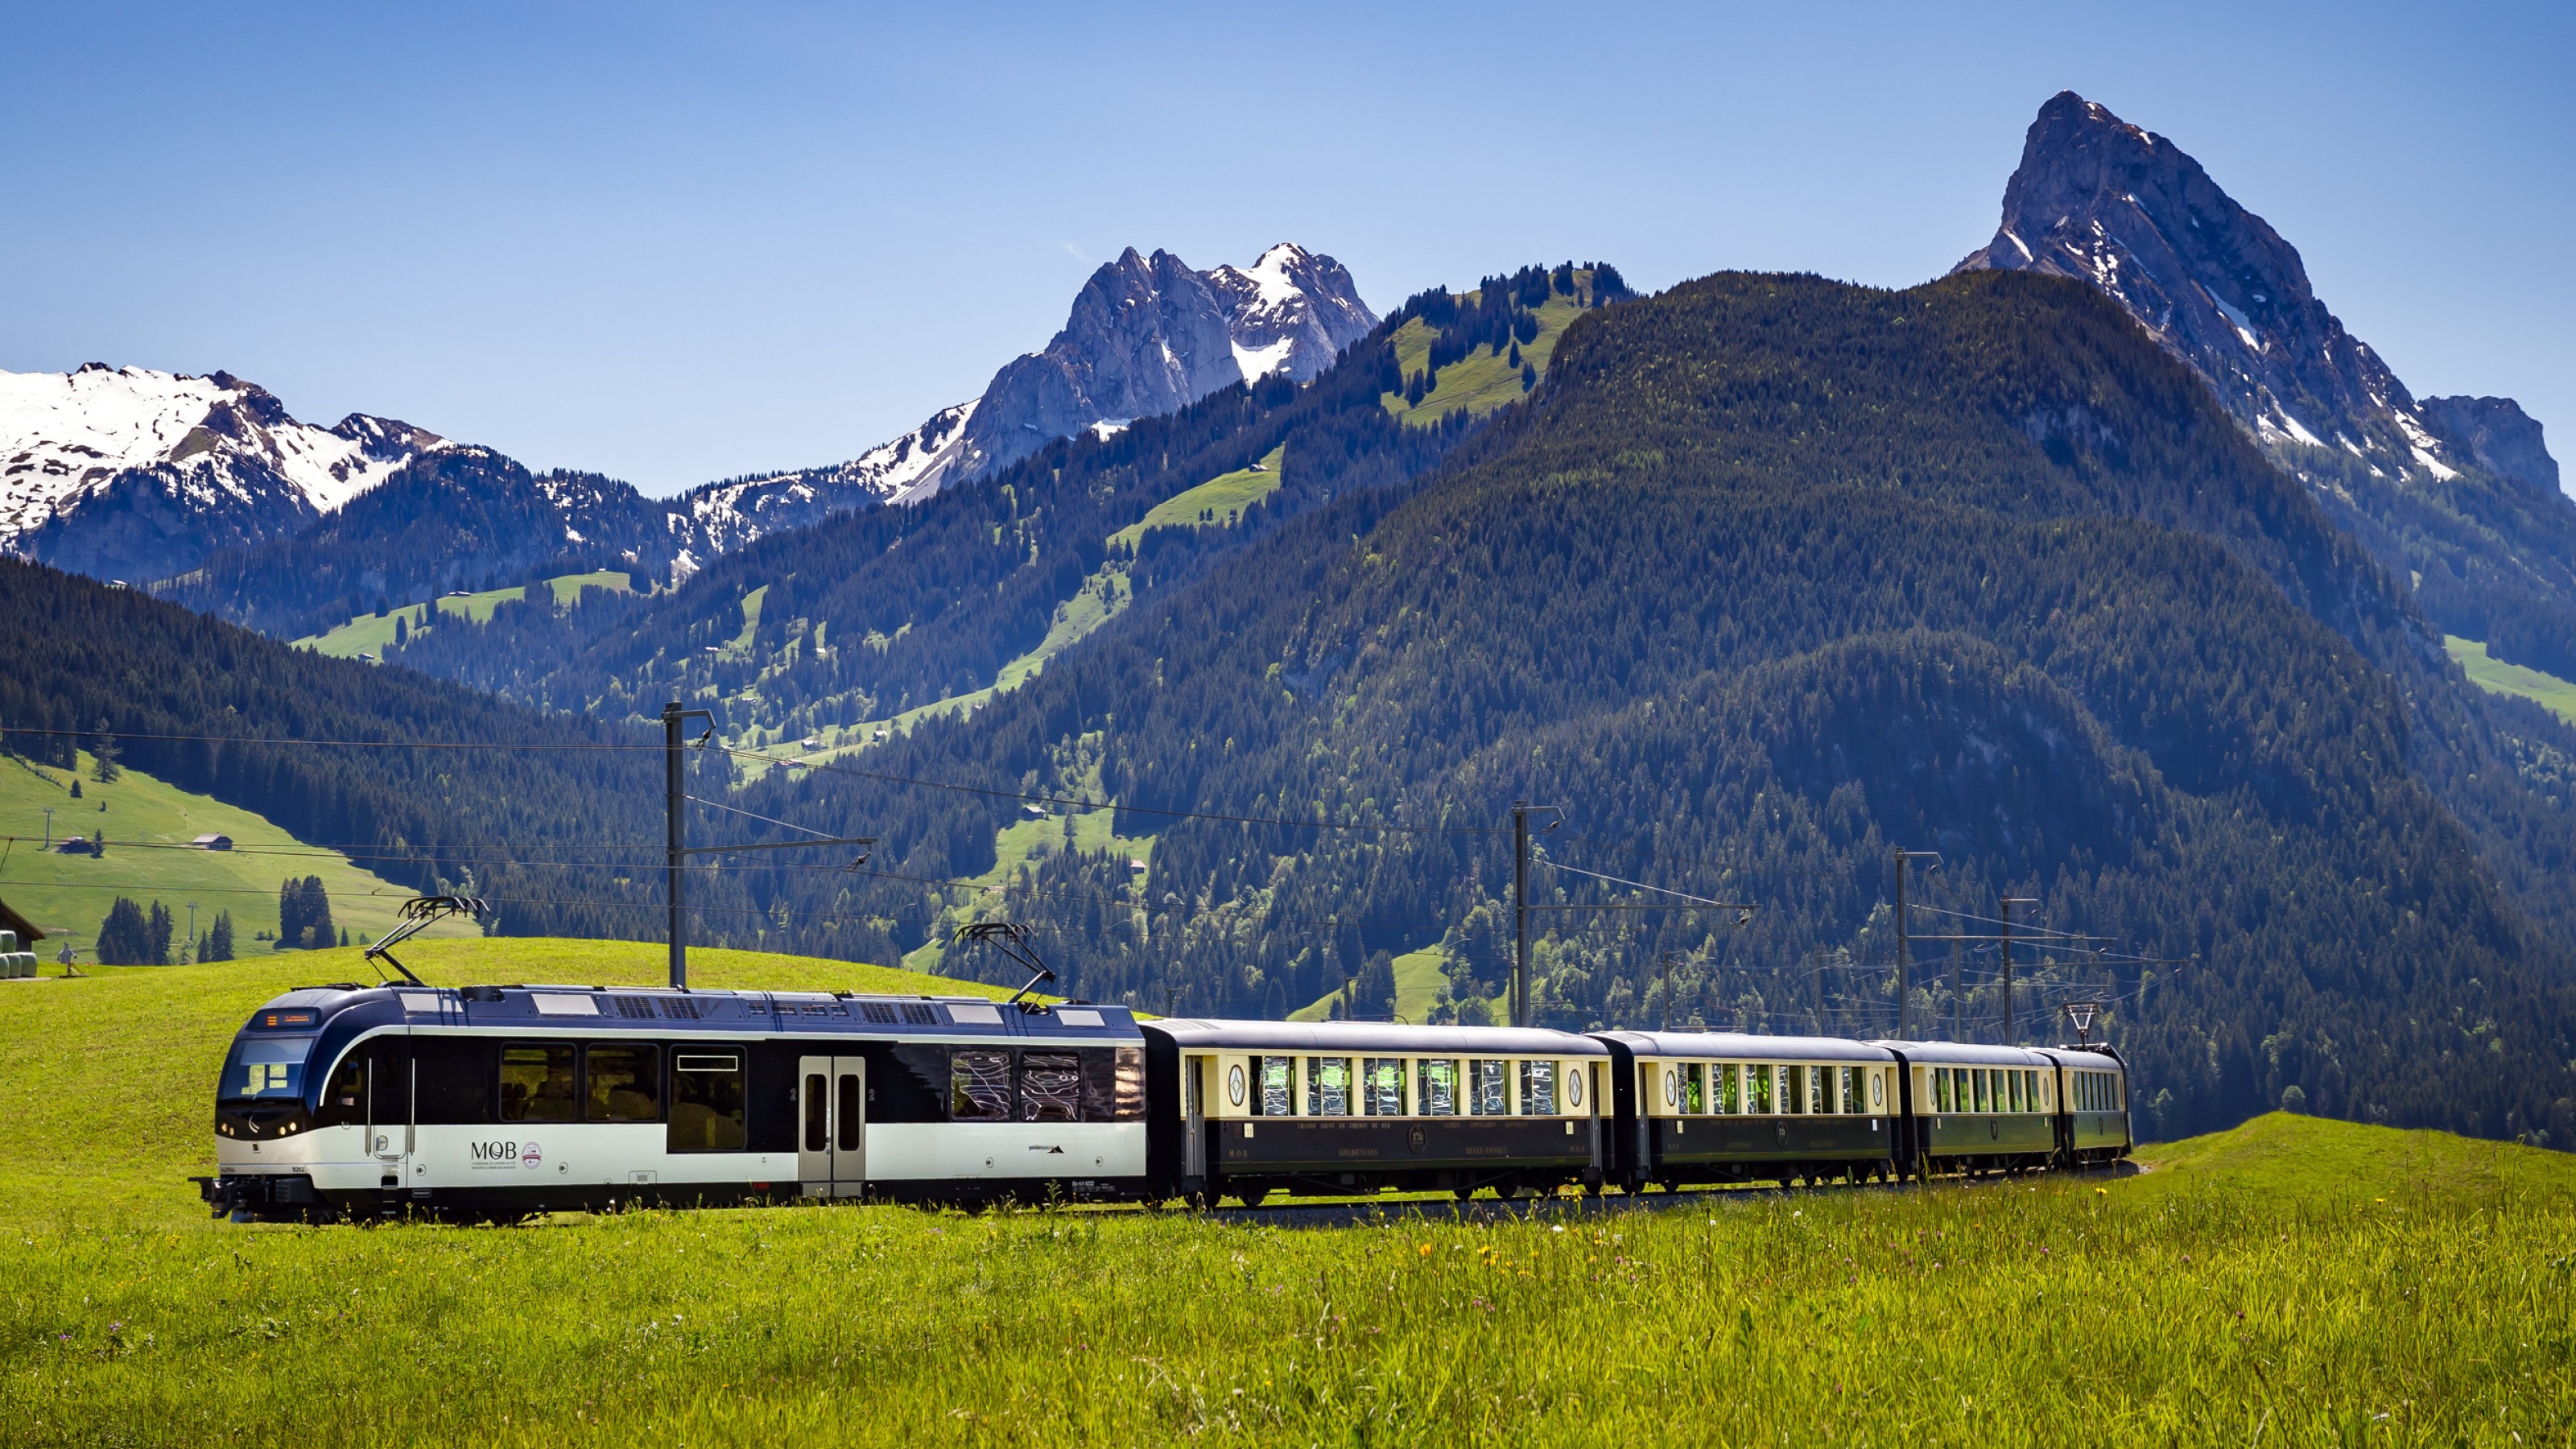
[
  {"x": 148, "y": 824},
  {"x": 1421, "y": 983},
  {"x": 374, "y": 633},
  {"x": 1485, "y": 379},
  {"x": 2292, "y": 1282},
  {"x": 1225, "y": 496},
  {"x": 2497, "y": 677}
]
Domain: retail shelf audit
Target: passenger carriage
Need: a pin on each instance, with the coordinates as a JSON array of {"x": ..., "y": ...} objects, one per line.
[
  {"x": 2093, "y": 1120},
  {"x": 504, "y": 1100},
  {"x": 1977, "y": 1109},
  {"x": 1344, "y": 1107},
  {"x": 1716, "y": 1107}
]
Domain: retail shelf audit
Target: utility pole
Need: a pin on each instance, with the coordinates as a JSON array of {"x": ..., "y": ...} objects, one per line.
[
  {"x": 1904, "y": 975},
  {"x": 1958, "y": 991},
  {"x": 674, "y": 786},
  {"x": 2011, "y": 1037},
  {"x": 1520, "y": 913},
  {"x": 1667, "y": 1022},
  {"x": 49, "y": 827}
]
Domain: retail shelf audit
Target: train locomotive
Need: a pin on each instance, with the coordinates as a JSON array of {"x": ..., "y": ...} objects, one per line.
[{"x": 492, "y": 1102}]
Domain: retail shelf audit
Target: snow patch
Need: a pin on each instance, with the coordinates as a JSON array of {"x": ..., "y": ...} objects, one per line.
[{"x": 1260, "y": 362}]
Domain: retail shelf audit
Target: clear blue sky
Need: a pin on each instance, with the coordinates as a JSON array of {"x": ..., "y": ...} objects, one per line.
[{"x": 673, "y": 243}]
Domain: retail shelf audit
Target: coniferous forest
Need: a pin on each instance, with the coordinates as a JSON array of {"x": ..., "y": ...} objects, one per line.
[{"x": 1769, "y": 579}]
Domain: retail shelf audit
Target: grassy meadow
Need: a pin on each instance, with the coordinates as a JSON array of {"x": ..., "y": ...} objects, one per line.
[
  {"x": 374, "y": 633},
  {"x": 2495, "y": 676},
  {"x": 1484, "y": 379},
  {"x": 2291, "y": 1282},
  {"x": 148, "y": 823}
]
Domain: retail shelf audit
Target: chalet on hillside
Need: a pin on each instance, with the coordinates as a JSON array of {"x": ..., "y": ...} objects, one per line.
[{"x": 212, "y": 842}]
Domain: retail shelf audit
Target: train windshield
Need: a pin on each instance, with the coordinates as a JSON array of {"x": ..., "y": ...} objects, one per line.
[{"x": 265, "y": 1069}]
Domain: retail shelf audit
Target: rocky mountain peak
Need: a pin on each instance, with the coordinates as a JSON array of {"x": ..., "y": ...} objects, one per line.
[
  {"x": 1149, "y": 335},
  {"x": 2129, "y": 211},
  {"x": 125, "y": 472}
]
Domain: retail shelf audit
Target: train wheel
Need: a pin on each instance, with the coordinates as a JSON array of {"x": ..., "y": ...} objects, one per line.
[
  {"x": 1462, "y": 1193},
  {"x": 1252, "y": 1198}
]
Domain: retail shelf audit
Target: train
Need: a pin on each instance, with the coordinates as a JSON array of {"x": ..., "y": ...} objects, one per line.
[{"x": 496, "y": 1102}]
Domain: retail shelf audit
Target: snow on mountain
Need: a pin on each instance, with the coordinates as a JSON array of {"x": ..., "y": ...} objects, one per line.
[
  {"x": 1149, "y": 336},
  {"x": 133, "y": 472},
  {"x": 727, "y": 515}
]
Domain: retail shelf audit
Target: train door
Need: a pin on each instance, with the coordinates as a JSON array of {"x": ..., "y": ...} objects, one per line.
[
  {"x": 1193, "y": 1116},
  {"x": 392, "y": 1124},
  {"x": 832, "y": 1127}
]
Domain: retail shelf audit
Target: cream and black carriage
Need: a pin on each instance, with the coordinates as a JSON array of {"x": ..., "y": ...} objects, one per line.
[
  {"x": 1345, "y": 1107},
  {"x": 1716, "y": 1107},
  {"x": 1976, "y": 1109},
  {"x": 2093, "y": 1118}
]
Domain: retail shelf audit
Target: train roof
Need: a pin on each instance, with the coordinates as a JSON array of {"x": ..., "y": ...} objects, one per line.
[
  {"x": 1975, "y": 1054},
  {"x": 1376, "y": 1036},
  {"x": 664, "y": 1009},
  {"x": 2095, "y": 1058},
  {"x": 1745, "y": 1046}
]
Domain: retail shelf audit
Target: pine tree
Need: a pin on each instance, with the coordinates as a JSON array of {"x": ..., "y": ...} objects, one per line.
[
  {"x": 125, "y": 937},
  {"x": 219, "y": 939},
  {"x": 105, "y": 752},
  {"x": 1529, "y": 376},
  {"x": 402, "y": 630},
  {"x": 156, "y": 934}
]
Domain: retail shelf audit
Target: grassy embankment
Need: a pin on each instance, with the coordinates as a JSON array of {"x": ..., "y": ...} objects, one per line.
[
  {"x": 2498, "y": 677},
  {"x": 2292, "y": 1282},
  {"x": 374, "y": 633},
  {"x": 148, "y": 824}
]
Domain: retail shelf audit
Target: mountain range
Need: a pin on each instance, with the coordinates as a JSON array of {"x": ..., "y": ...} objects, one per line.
[{"x": 208, "y": 484}]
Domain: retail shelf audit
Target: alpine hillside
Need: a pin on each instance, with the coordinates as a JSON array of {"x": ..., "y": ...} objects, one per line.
[{"x": 2458, "y": 495}]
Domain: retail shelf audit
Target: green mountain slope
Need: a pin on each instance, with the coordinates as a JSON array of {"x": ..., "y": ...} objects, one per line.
[
  {"x": 148, "y": 825},
  {"x": 1772, "y": 577}
]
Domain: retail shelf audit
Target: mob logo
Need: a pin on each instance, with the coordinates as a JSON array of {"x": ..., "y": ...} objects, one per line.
[{"x": 507, "y": 1154}]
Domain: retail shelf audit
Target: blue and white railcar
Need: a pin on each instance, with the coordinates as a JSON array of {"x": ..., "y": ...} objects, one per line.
[{"x": 495, "y": 1101}]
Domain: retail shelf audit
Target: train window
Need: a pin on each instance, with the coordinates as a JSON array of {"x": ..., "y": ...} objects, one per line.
[
  {"x": 1489, "y": 1088},
  {"x": 1382, "y": 1086},
  {"x": 979, "y": 1086},
  {"x": 537, "y": 1084},
  {"x": 1328, "y": 1086},
  {"x": 1131, "y": 1084},
  {"x": 1757, "y": 1091},
  {"x": 1851, "y": 1089},
  {"x": 1050, "y": 1087},
  {"x": 1278, "y": 1095},
  {"x": 1941, "y": 1090},
  {"x": 1983, "y": 1080},
  {"x": 1695, "y": 1088},
  {"x": 2012, "y": 1090},
  {"x": 1729, "y": 1089},
  {"x": 1793, "y": 1090},
  {"x": 625, "y": 1084},
  {"x": 706, "y": 1102},
  {"x": 816, "y": 1095},
  {"x": 1436, "y": 1087},
  {"x": 1538, "y": 1089},
  {"x": 1828, "y": 1101},
  {"x": 271, "y": 1069}
]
